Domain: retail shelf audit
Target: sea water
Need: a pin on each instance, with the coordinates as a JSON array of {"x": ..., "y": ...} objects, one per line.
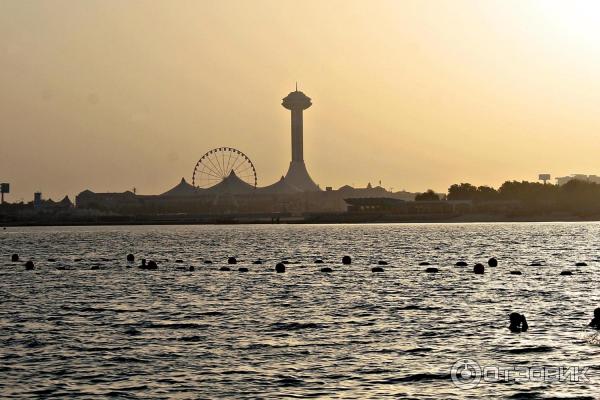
[{"x": 86, "y": 323}]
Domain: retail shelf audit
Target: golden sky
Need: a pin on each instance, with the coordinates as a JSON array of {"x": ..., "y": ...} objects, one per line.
[{"x": 115, "y": 94}]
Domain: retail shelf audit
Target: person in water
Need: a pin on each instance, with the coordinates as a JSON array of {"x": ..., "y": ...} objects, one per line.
[
  {"x": 518, "y": 323},
  {"x": 595, "y": 323}
]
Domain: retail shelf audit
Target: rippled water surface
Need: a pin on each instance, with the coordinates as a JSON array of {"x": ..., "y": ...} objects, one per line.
[{"x": 85, "y": 323}]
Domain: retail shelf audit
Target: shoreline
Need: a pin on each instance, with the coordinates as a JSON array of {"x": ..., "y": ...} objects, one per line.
[{"x": 304, "y": 220}]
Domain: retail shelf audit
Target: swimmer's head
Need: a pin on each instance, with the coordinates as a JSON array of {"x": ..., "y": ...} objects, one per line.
[{"x": 515, "y": 318}]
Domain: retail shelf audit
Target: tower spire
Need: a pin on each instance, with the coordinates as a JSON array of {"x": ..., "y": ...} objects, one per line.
[{"x": 296, "y": 86}]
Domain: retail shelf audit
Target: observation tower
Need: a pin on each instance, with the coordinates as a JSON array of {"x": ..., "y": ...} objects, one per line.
[{"x": 297, "y": 174}]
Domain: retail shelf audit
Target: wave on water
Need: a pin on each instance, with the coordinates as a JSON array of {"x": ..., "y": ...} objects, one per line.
[
  {"x": 289, "y": 381},
  {"x": 212, "y": 313},
  {"x": 529, "y": 349},
  {"x": 173, "y": 325},
  {"x": 294, "y": 326},
  {"x": 416, "y": 307},
  {"x": 594, "y": 338},
  {"x": 102, "y": 309},
  {"x": 421, "y": 377},
  {"x": 194, "y": 338}
]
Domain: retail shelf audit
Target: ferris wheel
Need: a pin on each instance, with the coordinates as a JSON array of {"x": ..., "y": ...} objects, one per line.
[{"x": 217, "y": 164}]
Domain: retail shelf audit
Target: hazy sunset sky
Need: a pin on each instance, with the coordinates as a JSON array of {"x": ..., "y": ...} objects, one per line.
[{"x": 111, "y": 95}]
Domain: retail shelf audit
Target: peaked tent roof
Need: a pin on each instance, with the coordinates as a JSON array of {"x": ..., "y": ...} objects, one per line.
[
  {"x": 182, "y": 189},
  {"x": 231, "y": 185},
  {"x": 280, "y": 187}
]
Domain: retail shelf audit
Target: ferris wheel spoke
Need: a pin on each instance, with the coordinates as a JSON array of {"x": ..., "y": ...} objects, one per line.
[
  {"x": 237, "y": 157},
  {"x": 248, "y": 178},
  {"x": 209, "y": 169},
  {"x": 215, "y": 166},
  {"x": 207, "y": 180},
  {"x": 211, "y": 178},
  {"x": 219, "y": 164},
  {"x": 205, "y": 165},
  {"x": 228, "y": 160},
  {"x": 242, "y": 170},
  {"x": 235, "y": 167}
]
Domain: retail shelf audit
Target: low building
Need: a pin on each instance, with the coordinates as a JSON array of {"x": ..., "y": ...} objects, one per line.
[{"x": 580, "y": 177}]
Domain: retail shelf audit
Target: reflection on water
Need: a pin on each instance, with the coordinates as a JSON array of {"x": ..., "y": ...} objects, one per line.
[{"x": 70, "y": 330}]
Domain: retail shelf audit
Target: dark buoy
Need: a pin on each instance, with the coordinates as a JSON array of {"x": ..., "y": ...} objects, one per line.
[
  {"x": 257, "y": 262},
  {"x": 231, "y": 260},
  {"x": 179, "y": 261},
  {"x": 51, "y": 260},
  {"x": 432, "y": 270},
  {"x": 224, "y": 269},
  {"x": 346, "y": 260},
  {"x": 243, "y": 269},
  {"x": 581, "y": 264},
  {"x": 423, "y": 263},
  {"x": 207, "y": 262},
  {"x": 14, "y": 258},
  {"x": 381, "y": 262},
  {"x": 516, "y": 273},
  {"x": 376, "y": 269},
  {"x": 95, "y": 266},
  {"x": 326, "y": 269},
  {"x": 130, "y": 257},
  {"x": 492, "y": 262},
  {"x": 479, "y": 269},
  {"x": 191, "y": 268},
  {"x": 461, "y": 264},
  {"x": 150, "y": 265},
  {"x": 318, "y": 261},
  {"x": 29, "y": 265},
  {"x": 566, "y": 273},
  {"x": 280, "y": 267}
]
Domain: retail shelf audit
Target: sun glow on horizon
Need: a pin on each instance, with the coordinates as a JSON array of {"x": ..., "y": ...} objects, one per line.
[{"x": 578, "y": 19}]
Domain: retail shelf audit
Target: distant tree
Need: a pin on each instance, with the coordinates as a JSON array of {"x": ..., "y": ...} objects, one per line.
[
  {"x": 429, "y": 195},
  {"x": 579, "y": 196},
  {"x": 486, "y": 193},
  {"x": 527, "y": 192},
  {"x": 464, "y": 191}
]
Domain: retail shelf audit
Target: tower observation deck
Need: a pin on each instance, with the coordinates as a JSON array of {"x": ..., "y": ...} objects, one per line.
[{"x": 297, "y": 174}]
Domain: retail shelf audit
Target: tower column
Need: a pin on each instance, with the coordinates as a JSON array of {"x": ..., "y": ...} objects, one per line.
[{"x": 297, "y": 135}]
